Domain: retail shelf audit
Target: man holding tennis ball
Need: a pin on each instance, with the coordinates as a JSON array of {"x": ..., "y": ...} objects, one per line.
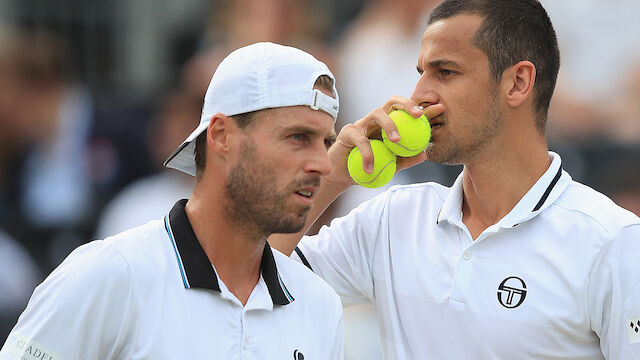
[{"x": 515, "y": 260}]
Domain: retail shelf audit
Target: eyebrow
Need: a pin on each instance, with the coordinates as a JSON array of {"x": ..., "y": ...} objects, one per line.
[
  {"x": 310, "y": 131},
  {"x": 443, "y": 62},
  {"x": 301, "y": 129},
  {"x": 438, "y": 63}
]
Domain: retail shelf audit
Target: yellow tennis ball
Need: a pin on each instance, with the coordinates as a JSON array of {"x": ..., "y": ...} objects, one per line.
[
  {"x": 414, "y": 134},
  {"x": 384, "y": 166}
]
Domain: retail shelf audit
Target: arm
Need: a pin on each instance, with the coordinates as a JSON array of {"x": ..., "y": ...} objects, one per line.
[
  {"x": 351, "y": 135},
  {"x": 614, "y": 295},
  {"x": 81, "y": 311}
]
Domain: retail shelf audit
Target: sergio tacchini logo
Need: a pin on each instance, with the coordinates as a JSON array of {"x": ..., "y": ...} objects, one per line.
[{"x": 511, "y": 292}]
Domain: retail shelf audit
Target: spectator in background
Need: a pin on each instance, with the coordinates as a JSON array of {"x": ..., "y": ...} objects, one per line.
[
  {"x": 57, "y": 189},
  {"x": 600, "y": 52},
  {"x": 236, "y": 23},
  {"x": 46, "y": 188},
  {"x": 615, "y": 170},
  {"x": 148, "y": 198},
  {"x": 595, "y": 112},
  {"x": 13, "y": 131},
  {"x": 19, "y": 275},
  {"x": 626, "y": 108},
  {"x": 376, "y": 54}
]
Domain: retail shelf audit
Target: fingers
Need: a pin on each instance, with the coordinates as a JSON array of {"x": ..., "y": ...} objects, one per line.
[
  {"x": 350, "y": 136},
  {"x": 379, "y": 119},
  {"x": 399, "y": 103},
  {"x": 434, "y": 110},
  {"x": 359, "y": 133},
  {"x": 371, "y": 125},
  {"x": 367, "y": 154},
  {"x": 402, "y": 103}
]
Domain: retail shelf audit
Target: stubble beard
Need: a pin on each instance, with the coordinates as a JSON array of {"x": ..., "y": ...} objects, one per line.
[
  {"x": 455, "y": 151},
  {"x": 252, "y": 201}
]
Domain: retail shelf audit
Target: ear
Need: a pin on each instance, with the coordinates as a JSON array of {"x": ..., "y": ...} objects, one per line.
[
  {"x": 518, "y": 81},
  {"x": 218, "y": 133}
]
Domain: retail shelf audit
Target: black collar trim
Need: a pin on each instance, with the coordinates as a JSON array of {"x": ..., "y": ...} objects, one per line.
[
  {"x": 194, "y": 265},
  {"x": 303, "y": 258},
  {"x": 548, "y": 191}
]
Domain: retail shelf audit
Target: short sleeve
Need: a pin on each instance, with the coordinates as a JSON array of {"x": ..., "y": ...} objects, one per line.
[
  {"x": 81, "y": 311},
  {"x": 614, "y": 295},
  {"x": 342, "y": 253}
]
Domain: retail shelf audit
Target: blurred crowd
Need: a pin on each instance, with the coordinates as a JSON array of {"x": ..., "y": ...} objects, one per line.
[{"x": 90, "y": 109}]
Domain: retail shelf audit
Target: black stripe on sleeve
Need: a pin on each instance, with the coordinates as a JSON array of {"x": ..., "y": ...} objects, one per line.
[{"x": 303, "y": 258}]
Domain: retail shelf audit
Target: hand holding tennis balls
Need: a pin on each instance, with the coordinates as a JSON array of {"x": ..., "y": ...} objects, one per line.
[
  {"x": 415, "y": 134},
  {"x": 384, "y": 166}
]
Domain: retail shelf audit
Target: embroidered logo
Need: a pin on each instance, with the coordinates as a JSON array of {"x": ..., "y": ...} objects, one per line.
[
  {"x": 297, "y": 355},
  {"x": 511, "y": 292},
  {"x": 633, "y": 330}
]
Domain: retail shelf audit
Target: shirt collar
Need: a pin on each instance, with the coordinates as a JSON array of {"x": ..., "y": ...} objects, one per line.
[
  {"x": 542, "y": 194},
  {"x": 194, "y": 265}
]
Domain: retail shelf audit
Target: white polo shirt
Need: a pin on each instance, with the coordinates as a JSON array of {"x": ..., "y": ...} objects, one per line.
[
  {"x": 151, "y": 293},
  {"x": 556, "y": 278}
]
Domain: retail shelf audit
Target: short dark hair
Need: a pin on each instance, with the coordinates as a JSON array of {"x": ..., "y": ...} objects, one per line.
[
  {"x": 200, "y": 152},
  {"x": 513, "y": 31},
  {"x": 323, "y": 82}
]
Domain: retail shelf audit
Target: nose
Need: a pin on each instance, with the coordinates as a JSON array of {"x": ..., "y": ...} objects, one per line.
[
  {"x": 318, "y": 162},
  {"x": 424, "y": 93}
]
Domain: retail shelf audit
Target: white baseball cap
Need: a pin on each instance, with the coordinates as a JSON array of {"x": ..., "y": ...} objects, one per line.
[{"x": 259, "y": 76}]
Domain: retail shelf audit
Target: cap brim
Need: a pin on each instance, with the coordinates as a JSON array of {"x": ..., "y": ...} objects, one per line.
[{"x": 183, "y": 158}]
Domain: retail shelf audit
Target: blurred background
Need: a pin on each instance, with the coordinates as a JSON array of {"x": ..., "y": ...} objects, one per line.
[{"x": 94, "y": 95}]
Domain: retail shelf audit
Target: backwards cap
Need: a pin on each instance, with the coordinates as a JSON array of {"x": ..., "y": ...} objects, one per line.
[{"x": 259, "y": 76}]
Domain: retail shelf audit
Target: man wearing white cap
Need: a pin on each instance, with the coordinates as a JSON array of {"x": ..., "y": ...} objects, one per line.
[{"x": 203, "y": 282}]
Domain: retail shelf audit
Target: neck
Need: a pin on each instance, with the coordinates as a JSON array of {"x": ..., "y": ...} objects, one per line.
[
  {"x": 236, "y": 255},
  {"x": 495, "y": 181}
]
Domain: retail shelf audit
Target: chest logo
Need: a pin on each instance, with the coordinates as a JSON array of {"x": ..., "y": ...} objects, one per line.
[
  {"x": 297, "y": 355},
  {"x": 511, "y": 292}
]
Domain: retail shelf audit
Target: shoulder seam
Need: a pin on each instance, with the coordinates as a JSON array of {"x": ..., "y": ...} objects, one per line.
[{"x": 604, "y": 228}]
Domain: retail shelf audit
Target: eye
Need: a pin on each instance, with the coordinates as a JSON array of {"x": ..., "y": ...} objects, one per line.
[
  {"x": 299, "y": 137},
  {"x": 446, "y": 73}
]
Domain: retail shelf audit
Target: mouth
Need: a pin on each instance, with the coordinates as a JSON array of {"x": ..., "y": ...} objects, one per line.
[
  {"x": 306, "y": 193},
  {"x": 436, "y": 123}
]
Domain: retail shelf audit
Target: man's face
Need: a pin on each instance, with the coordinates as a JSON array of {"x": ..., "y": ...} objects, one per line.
[
  {"x": 280, "y": 161},
  {"x": 455, "y": 73}
]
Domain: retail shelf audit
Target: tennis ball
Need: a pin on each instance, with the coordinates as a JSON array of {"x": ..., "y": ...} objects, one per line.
[
  {"x": 384, "y": 166},
  {"x": 414, "y": 134}
]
